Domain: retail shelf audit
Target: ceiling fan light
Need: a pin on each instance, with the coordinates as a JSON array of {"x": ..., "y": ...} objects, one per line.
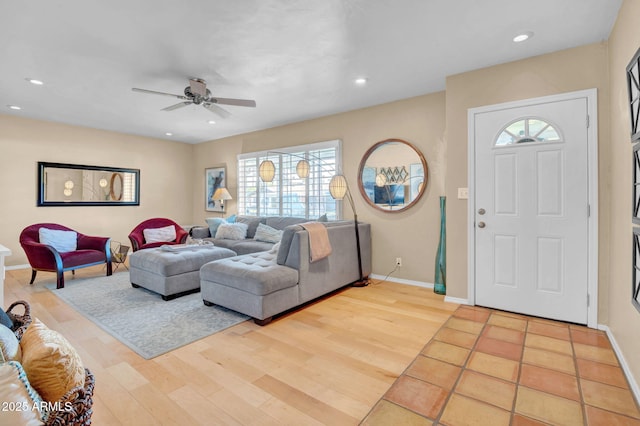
[
  {"x": 381, "y": 180},
  {"x": 68, "y": 184},
  {"x": 302, "y": 169},
  {"x": 267, "y": 170}
]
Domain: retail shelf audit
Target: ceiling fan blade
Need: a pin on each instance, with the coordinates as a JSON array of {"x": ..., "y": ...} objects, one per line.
[
  {"x": 153, "y": 92},
  {"x": 176, "y": 106},
  {"x": 198, "y": 86},
  {"x": 235, "y": 102},
  {"x": 217, "y": 110}
]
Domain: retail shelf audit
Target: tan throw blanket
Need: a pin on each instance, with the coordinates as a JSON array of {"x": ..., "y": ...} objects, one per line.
[{"x": 319, "y": 245}]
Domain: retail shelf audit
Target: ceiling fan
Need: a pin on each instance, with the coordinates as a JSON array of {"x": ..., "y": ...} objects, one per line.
[{"x": 197, "y": 93}]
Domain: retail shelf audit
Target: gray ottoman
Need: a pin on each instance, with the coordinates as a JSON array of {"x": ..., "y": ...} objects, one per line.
[
  {"x": 172, "y": 272},
  {"x": 253, "y": 284}
]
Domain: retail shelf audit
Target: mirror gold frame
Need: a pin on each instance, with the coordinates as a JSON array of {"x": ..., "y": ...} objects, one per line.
[{"x": 393, "y": 175}]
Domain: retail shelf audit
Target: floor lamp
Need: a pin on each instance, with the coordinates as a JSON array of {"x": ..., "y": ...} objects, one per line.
[{"x": 339, "y": 189}]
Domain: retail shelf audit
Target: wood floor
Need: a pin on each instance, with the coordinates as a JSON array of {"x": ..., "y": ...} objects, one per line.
[{"x": 325, "y": 364}]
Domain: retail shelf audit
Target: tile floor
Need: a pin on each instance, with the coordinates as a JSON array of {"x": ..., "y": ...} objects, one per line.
[{"x": 487, "y": 367}]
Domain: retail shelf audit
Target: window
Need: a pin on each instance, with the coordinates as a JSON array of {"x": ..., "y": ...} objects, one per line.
[
  {"x": 528, "y": 130},
  {"x": 288, "y": 194}
]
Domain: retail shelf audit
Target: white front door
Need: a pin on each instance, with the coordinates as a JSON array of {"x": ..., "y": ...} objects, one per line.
[{"x": 532, "y": 209}]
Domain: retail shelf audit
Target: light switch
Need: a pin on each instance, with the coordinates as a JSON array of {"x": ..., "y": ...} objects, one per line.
[{"x": 463, "y": 193}]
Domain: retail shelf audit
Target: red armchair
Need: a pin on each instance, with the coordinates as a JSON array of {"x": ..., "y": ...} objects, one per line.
[
  {"x": 138, "y": 241},
  {"x": 90, "y": 251}
]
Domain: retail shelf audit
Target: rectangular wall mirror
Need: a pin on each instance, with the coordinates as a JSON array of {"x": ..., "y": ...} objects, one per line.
[{"x": 80, "y": 185}]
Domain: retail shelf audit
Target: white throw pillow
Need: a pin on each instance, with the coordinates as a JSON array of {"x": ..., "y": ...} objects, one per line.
[
  {"x": 232, "y": 231},
  {"x": 62, "y": 241},
  {"x": 159, "y": 235},
  {"x": 275, "y": 248},
  {"x": 267, "y": 234}
]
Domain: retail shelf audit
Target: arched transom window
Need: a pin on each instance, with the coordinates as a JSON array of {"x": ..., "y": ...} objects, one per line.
[{"x": 527, "y": 130}]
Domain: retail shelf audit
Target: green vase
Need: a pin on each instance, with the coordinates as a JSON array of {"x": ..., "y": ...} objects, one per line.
[{"x": 440, "y": 280}]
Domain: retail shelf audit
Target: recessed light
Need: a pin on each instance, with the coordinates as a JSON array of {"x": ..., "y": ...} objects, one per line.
[
  {"x": 34, "y": 81},
  {"x": 169, "y": 134},
  {"x": 211, "y": 122},
  {"x": 361, "y": 81},
  {"x": 522, "y": 37},
  {"x": 15, "y": 107}
]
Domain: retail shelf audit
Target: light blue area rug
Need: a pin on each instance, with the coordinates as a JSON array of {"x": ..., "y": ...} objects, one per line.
[{"x": 141, "y": 319}]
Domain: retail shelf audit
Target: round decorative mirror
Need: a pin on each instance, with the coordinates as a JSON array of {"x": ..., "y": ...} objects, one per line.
[
  {"x": 116, "y": 186},
  {"x": 393, "y": 175}
]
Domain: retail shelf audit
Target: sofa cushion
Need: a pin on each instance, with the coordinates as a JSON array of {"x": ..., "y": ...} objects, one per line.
[
  {"x": 159, "y": 235},
  {"x": 213, "y": 223},
  {"x": 252, "y": 222},
  {"x": 232, "y": 231},
  {"x": 267, "y": 234},
  {"x": 17, "y": 392},
  {"x": 52, "y": 365},
  {"x": 281, "y": 222},
  {"x": 62, "y": 241},
  {"x": 255, "y": 273}
]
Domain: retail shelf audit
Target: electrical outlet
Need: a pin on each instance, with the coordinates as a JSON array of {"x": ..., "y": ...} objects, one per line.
[{"x": 398, "y": 261}]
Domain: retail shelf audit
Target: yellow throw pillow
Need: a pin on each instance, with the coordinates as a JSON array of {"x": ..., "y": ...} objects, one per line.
[{"x": 52, "y": 365}]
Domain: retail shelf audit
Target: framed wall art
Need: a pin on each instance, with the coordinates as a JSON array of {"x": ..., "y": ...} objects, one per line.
[{"x": 214, "y": 177}]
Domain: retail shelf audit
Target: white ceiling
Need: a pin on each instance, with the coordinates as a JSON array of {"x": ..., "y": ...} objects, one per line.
[{"x": 297, "y": 58}]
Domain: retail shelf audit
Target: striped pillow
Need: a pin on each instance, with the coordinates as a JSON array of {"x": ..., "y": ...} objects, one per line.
[{"x": 267, "y": 234}]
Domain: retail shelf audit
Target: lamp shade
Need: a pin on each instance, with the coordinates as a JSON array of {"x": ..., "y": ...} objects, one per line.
[
  {"x": 267, "y": 170},
  {"x": 338, "y": 187},
  {"x": 302, "y": 169},
  {"x": 221, "y": 194}
]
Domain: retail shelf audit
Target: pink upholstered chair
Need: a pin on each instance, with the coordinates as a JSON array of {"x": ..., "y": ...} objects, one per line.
[
  {"x": 42, "y": 257},
  {"x": 138, "y": 241}
]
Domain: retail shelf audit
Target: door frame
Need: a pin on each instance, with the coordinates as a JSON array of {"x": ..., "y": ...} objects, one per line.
[{"x": 592, "y": 169}]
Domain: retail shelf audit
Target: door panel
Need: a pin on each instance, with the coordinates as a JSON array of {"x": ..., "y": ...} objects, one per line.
[{"x": 531, "y": 255}]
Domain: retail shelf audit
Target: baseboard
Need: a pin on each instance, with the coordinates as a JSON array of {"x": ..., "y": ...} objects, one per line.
[
  {"x": 14, "y": 267},
  {"x": 402, "y": 281},
  {"x": 623, "y": 362},
  {"x": 457, "y": 300}
]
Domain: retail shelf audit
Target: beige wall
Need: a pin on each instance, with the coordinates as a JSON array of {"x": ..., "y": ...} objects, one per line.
[
  {"x": 624, "y": 319},
  {"x": 565, "y": 71},
  {"x": 412, "y": 235},
  {"x": 165, "y": 177}
]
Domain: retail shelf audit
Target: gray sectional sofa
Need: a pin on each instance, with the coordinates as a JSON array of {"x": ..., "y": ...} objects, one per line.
[
  {"x": 249, "y": 244},
  {"x": 266, "y": 283}
]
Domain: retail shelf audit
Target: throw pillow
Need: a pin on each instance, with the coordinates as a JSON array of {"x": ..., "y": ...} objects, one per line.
[
  {"x": 275, "y": 248},
  {"x": 159, "y": 235},
  {"x": 52, "y": 365},
  {"x": 16, "y": 391},
  {"x": 232, "y": 231},
  {"x": 267, "y": 234},
  {"x": 9, "y": 345},
  {"x": 213, "y": 223},
  {"x": 62, "y": 241},
  {"x": 323, "y": 218},
  {"x": 232, "y": 219},
  {"x": 5, "y": 319}
]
